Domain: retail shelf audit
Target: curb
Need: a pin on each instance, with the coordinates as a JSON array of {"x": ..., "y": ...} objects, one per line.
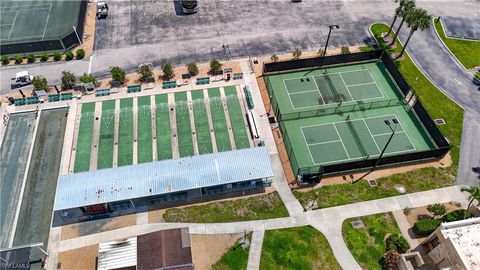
[{"x": 445, "y": 45}]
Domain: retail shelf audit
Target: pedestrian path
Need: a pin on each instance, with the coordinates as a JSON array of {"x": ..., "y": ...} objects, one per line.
[{"x": 255, "y": 252}]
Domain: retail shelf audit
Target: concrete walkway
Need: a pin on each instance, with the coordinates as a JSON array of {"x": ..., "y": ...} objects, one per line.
[
  {"x": 255, "y": 252},
  {"x": 329, "y": 221}
]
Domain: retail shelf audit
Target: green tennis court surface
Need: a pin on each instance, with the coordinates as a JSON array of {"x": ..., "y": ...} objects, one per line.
[
  {"x": 162, "y": 121},
  {"x": 144, "y": 130},
  {"x": 106, "y": 139},
  {"x": 125, "y": 132},
  {"x": 236, "y": 118},
  {"x": 184, "y": 130},
  {"x": 84, "y": 141},
  {"x": 36, "y": 19},
  {"x": 219, "y": 120},
  {"x": 204, "y": 139}
]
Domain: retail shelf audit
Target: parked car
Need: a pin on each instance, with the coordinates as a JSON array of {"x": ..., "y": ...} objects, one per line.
[{"x": 21, "y": 79}]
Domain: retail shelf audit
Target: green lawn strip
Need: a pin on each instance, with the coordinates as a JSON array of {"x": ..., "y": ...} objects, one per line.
[
  {"x": 144, "y": 130},
  {"x": 437, "y": 104},
  {"x": 236, "y": 118},
  {"x": 84, "y": 140},
  {"x": 297, "y": 248},
  {"x": 184, "y": 130},
  {"x": 414, "y": 181},
  {"x": 367, "y": 244},
  {"x": 219, "y": 120},
  {"x": 466, "y": 51},
  {"x": 256, "y": 207},
  {"x": 107, "y": 130},
  {"x": 236, "y": 258},
  {"x": 164, "y": 133},
  {"x": 125, "y": 133},
  {"x": 204, "y": 140}
]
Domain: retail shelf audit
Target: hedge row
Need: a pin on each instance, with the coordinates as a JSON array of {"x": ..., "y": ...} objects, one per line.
[
  {"x": 57, "y": 56},
  {"x": 426, "y": 226}
]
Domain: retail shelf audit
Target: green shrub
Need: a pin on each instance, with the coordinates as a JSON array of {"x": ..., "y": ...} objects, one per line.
[
  {"x": 40, "y": 83},
  {"x": 88, "y": 78},
  {"x": 215, "y": 65},
  {"x": 18, "y": 59},
  {"x": 118, "y": 74},
  {"x": 296, "y": 54},
  {"x": 68, "y": 79},
  {"x": 68, "y": 55},
  {"x": 407, "y": 211},
  {"x": 437, "y": 209},
  {"x": 192, "y": 68},
  {"x": 80, "y": 53},
  {"x": 426, "y": 226},
  {"x": 167, "y": 69},
  {"x": 398, "y": 243},
  {"x": 44, "y": 56},
  {"x": 477, "y": 75},
  {"x": 5, "y": 60},
  {"x": 57, "y": 56},
  {"x": 390, "y": 259},
  {"x": 345, "y": 50},
  {"x": 31, "y": 58},
  {"x": 144, "y": 71},
  {"x": 455, "y": 215}
]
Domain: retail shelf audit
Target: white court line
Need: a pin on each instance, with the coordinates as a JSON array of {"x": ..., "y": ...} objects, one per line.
[
  {"x": 359, "y": 84},
  {"x": 378, "y": 87},
  {"x": 324, "y": 142},
  {"x": 33, "y": 5},
  {"x": 46, "y": 22},
  {"x": 344, "y": 148},
  {"x": 20, "y": 38},
  {"x": 6, "y": 24},
  {"x": 369, "y": 131},
  {"x": 306, "y": 144},
  {"x": 308, "y": 91},
  {"x": 346, "y": 87},
  {"x": 318, "y": 89},
  {"x": 15, "y": 19},
  {"x": 288, "y": 95},
  {"x": 372, "y": 117}
]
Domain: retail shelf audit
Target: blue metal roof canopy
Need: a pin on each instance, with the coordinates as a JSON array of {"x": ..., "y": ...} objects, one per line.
[{"x": 161, "y": 177}]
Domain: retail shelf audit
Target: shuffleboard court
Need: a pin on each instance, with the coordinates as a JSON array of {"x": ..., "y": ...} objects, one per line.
[
  {"x": 144, "y": 129},
  {"x": 184, "y": 129},
  {"x": 84, "y": 141},
  {"x": 236, "y": 118},
  {"x": 204, "y": 139},
  {"x": 125, "y": 132},
  {"x": 106, "y": 139},
  {"x": 162, "y": 121},
  {"x": 219, "y": 120}
]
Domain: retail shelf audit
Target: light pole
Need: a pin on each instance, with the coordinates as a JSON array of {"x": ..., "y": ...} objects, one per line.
[
  {"x": 330, "y": 27},
  {"x": 388, "y": 142}
]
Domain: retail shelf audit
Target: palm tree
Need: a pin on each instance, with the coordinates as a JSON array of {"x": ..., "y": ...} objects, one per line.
[
  {"x": 474, "y": 194},
  {"x": 418, "y": 19},
  {"x": 397, "y": 12},
  {"x": 403, "y": 11}
]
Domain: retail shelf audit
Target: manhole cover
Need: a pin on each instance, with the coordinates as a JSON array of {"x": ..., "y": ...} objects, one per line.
[
  {"x": 373, "y": 182},
  {"x": 439, "y": 121},
  {"x": 357, "y": 224},
  {"x": 400, "y": 188}
]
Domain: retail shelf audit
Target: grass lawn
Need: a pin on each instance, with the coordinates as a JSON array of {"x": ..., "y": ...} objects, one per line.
[
  {"x": 236, "y": 258},
  {"x": 367, "y": 244},
  {"x": 297, "y": 248},
  {"x": 466, "y": 51},
  {"x": 437, "y": 104},
  {"x": 252, "y": 208},
  {"x": 414, "y": 181}
]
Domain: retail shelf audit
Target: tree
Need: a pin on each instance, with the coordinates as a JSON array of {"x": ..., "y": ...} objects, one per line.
[
  {"x": 144, "y": 71},
  {"x": 296, "y": 54},
  {"x": 88, "y": 78},
  {"x": 167, "y": 70},
  {"x": 419, "y": 19},
  {"x": 68, "y": 55},
  {"x": 5, "y": 60},
  {"x": 192, "y": 68},
  {"x": 436, "y": 209},
  {"x": 407, "y": 8},
  {"x": 345, "y": 50},
  {"x": 31, "y": 58},
  {"x": 397, "y": 13},
  {"x": 40, "y": 83},
  {"x": 118, "y": 74},
  {"x": 473, "y": 194},
  {"x": 274, "y": 58},
  {"x": 44, "y": 56},
  {"x": 80, "y": 53},
  {"x": 68, "y": 79},
  {"x": 215, "y": 65}
]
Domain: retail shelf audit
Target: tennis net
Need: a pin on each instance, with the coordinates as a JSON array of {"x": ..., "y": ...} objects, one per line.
[
  {"x": 357, "y": 139},
  {"x": 334, "y": 91}
]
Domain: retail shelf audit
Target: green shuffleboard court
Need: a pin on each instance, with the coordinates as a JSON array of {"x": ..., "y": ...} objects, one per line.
[
  {"x": 106, "y": 140},
  {"x": 84, "y": 141},
  {"x": 202, "y": 128},
  {"x": 184, "y": 129},
  {"x": 162, "y": 121},
  {"x": 125, "y": 132},
  {"x": 236, "y": 118},
  {"x": 219, "y": 120},
  {"x": 144, "y": 129}
]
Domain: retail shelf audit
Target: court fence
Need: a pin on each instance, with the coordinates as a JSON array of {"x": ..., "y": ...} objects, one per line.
[
  {"x": 316, "y": 172},
  {"x": 39, "y": 45}
]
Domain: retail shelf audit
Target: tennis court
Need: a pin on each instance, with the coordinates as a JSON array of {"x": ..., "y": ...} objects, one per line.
[{"x": 219, "y": 120}]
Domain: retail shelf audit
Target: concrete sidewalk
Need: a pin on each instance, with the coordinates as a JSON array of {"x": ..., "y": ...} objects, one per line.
[{"x": 255, "y": 252}]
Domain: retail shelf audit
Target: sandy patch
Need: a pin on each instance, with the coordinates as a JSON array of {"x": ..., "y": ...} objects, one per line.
[
  {"x": 96, "y": 226},
  {"x": 208, "y": 249},
  {"x": 81, "y": 258}
]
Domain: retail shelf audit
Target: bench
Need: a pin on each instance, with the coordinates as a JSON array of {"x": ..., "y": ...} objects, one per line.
[
  {"x": 53, "y": 98},
  {"x": 169, "y": 84},
  {"x": 248, "y": 97},
  {"x": 203, "y": 80},
  {"x": 19, "y": 102},
  {"x": 32, "y": 100},
  {"x": 102, "y": 92},
  {"x": 134, "y": 88},
  {"x": 66, "y": 96},
  {"x": 238, "y": 76}
]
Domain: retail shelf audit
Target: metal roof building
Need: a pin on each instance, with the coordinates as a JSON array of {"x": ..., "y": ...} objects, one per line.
[{"x": 161, "y": 177}]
